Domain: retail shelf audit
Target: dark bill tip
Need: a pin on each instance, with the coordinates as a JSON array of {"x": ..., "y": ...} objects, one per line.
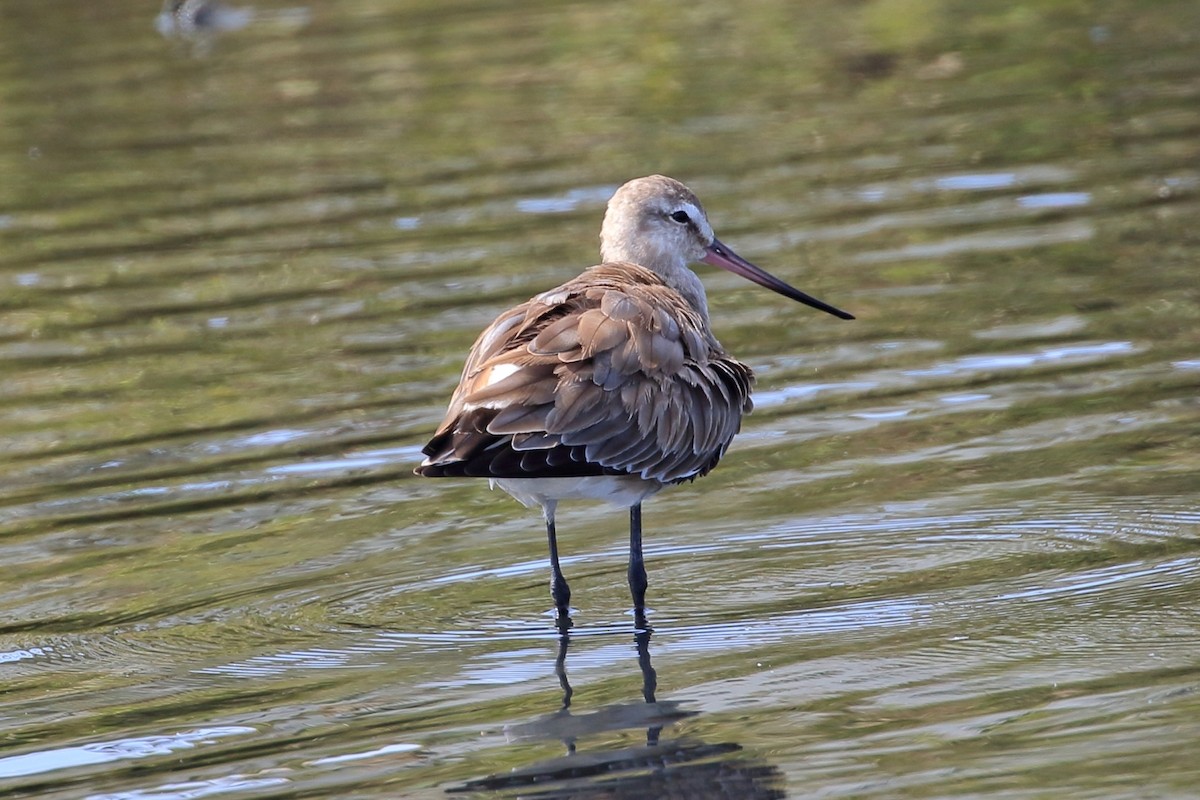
[{"x": 721, "y": 256}]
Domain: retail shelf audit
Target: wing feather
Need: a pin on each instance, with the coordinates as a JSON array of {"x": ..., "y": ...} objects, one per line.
[{"x": 611, "y": 373}]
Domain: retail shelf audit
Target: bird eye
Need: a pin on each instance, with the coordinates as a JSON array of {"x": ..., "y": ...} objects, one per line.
[{"x": 681, "y": 217}]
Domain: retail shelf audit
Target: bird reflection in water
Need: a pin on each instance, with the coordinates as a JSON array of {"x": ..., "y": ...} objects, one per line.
[
  {"x": 197, "y": 24},
  {"x": 661, "y": 768},
  {"x": 191, "y": 19}
]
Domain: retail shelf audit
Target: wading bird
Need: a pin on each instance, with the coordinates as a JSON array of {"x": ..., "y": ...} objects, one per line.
[{"x": 611, "y": 386}]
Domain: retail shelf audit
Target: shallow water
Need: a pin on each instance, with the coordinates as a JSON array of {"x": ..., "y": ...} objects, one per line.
[{"x": 954, "y": 552}]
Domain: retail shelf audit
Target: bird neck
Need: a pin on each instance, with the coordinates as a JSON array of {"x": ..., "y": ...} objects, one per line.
[
  {"x": 670, "y": 267},
  {"x": 689, "y": 286}
]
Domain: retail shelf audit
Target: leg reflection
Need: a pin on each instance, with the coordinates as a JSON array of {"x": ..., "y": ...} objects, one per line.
[
  {"x": 641, "y": 641},
  {"x": 610, "y": 768},
  {"x": 560, "y": 669}
]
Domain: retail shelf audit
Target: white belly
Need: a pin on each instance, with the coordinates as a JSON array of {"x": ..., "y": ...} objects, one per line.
[{"x": 621, "y": 490}]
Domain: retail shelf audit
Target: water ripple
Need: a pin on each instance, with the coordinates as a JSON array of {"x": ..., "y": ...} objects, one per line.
[{"x": 114, "y": 750}]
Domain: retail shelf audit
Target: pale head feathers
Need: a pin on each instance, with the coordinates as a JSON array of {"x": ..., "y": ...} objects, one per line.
[{"x": 658, "y": 223}]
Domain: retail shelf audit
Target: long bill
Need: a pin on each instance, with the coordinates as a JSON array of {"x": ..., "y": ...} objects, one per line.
[{"x": 721, "y": 256}]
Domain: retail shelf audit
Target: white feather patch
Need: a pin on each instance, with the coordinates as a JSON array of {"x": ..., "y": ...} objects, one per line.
[
  {"x": 494, "y": 375},
  {"x": 500, "y": 372}
]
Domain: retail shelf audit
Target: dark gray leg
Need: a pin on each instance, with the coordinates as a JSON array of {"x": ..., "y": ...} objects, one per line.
[
  {"x": 559, "y": 589},
  {"x": 637, "y": 566}
]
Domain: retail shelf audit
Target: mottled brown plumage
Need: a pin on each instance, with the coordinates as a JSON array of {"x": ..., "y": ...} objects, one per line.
[
  {"x": 611, "y": 374},
  {"x": 612, "y": 385}
]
